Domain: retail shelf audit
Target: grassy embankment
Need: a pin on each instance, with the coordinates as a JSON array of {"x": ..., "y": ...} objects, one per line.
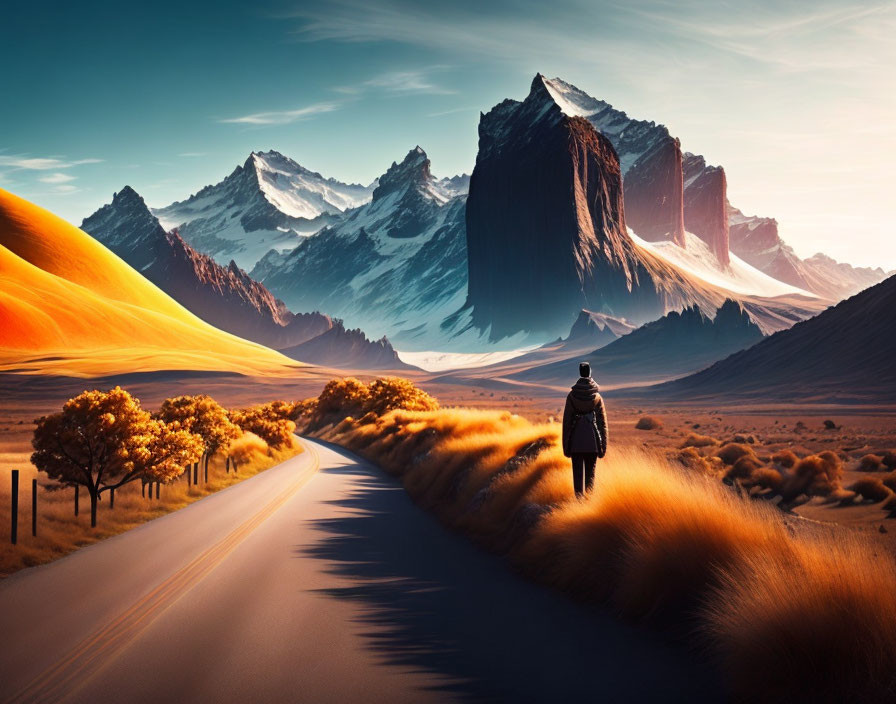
[{"x": 790, "y": 614}]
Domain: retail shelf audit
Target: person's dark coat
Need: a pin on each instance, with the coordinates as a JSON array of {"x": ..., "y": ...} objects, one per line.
[{"x": 584, "y": 420}]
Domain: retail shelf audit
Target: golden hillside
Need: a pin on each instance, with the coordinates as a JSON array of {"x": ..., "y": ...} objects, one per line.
[{"x": 69, "y": 306}]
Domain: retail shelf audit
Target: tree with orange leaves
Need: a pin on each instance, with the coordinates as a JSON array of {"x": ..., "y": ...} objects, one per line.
[
  {"x": 203, "y": 416},
  {"x": 103, "y": 439}
]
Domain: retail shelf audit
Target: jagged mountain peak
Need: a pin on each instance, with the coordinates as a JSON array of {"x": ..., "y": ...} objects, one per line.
[{"x": 413, "y": 171}]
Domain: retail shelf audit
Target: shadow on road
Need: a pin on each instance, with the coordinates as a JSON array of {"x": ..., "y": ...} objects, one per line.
[{"x": 432, "y": 602}]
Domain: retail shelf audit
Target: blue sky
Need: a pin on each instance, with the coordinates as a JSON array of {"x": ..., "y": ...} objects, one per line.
[{"x": 794, "y": 99}]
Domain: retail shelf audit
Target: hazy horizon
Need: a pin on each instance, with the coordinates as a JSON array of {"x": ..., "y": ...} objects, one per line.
[{"x": 794, "y": 100}]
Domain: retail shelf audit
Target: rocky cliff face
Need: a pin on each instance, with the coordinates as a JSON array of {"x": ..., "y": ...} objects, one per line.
[
  {"x": 649, "y": 158},
  {"x": 546, "y": 231},
  {"x": 226, "y": 297},
  {"x": 706, "y": 204},
  {"x": 653, "y": 193}
]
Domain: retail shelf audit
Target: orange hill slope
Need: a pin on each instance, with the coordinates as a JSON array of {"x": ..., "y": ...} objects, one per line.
[{"x": 69, "y": 306}]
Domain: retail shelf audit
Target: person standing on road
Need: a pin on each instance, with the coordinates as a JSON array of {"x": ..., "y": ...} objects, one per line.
[{"x": 584, "y": 429}]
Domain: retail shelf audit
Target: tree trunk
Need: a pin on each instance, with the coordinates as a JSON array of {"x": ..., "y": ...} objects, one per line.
[
  {"x": 94, "y": 497},
  {"x": 196, "y": 473},
  {"x": 143, "y": 489},
  {"x": 207, "y": 458},
  {"x": 158, "y": 485}
]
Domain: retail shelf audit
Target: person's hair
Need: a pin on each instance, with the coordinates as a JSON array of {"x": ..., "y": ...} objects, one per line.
[{"x": 584, "y": 369}]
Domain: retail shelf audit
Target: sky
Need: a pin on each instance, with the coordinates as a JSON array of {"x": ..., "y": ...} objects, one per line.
[{"x": 795, "y": 99}]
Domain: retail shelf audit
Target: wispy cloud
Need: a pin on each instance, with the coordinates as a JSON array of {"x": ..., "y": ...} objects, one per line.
[
  {"x": 283, "y": 117},
  {"x": 65, "y": 190},
  {"x": 191, "y": 154},
  {"x": 414, "y": 82},
  {"x": 58, "y": 177},
  {"x": 19, "y": 161}
]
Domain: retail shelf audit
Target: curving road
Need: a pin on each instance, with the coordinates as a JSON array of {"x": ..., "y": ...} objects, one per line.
[{"x": 315, "y": 581}]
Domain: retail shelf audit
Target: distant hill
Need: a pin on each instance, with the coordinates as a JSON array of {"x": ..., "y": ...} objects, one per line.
[
  {"x": 674, "y": 345},
  {"x": 844, "y": 354},
  {"x": 70, "y": 306}
]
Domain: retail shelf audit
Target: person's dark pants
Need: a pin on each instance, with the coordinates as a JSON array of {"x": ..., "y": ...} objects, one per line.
[{"x": 583, "y": 471}]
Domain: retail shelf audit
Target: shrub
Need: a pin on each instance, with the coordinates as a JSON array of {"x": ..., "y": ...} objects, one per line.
[
  {"x": 785, "y": 459},
  {"x": 732, "y": 452},
  {"x": 889, "y": 481},
  {"x": 690, "y": 458},
  {"x": 351, "y": 398},
  {"x": 871, "y": 489},
  {"x": 247, "y": 447},
  {"x": 815, "y": 475},
  {"x": 697, "y": 440},
  {"x": 648, "y": 423},
  {"x": 272, "y": 422},
  {"x": 743, "y": 467},
  {"x": 889, "y": 459},
  {"x": 870, "y": 463},
  {"x": 766, "y": 478}
]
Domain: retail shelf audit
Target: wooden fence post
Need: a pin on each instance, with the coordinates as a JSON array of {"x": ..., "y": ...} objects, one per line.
[
  {"x": 77, "y": 496},
  {"x": 34, "y": 507},
  {"x": 14, "y": 531}
]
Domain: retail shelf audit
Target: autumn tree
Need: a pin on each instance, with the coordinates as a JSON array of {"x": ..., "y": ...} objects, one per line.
[
  {"x": 103, "y": 440},
  {"x": 203, "y": 416},
  {"x": 272, "y": 422}
]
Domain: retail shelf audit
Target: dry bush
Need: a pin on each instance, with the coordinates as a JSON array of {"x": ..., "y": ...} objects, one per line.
[
  {"x": 691, "y": 458},
  {"x": 765, "y": 478},
  {"x": 733, "y": 451},
  {"x": 247, "y": 448},
  {"x": 697, "y": 440},
  {"x": 871, "y": 489},
  {"x": 785, "y": 459},
  {"x": 788, "y": 615},
  {"x": 815, "y": 475},
  {"x": 743, "y": 467},
  {"x": 889, "y": 481},
  {"x": 871, "y": 463},
  {"x": 648, "y": 423},
  {"x": 272, "y": 422},
  {"x": 889, "y": 459},
  {"x": 351, "y": 398}
]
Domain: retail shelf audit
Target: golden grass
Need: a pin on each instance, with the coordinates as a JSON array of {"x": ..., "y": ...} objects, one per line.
[
  {"x": 785, "y": 612},
  {"x": 59, "y": 532}
]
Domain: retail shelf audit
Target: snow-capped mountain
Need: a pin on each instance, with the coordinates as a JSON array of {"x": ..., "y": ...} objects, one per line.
[
  {"x": 270, "y": 202},
  {"x": 756, "y": 240},
  {"x": 395, "y": 266},
  {"x": 223, "y": 296},
  {"x": 668, "y": 192},
  {"x": 547, "y": 237}
]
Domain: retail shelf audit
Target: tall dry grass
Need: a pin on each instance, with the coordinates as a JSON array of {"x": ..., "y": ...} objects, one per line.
[
  {"x": 786, "y": 613},
  {"x": 59, "y": 531}
]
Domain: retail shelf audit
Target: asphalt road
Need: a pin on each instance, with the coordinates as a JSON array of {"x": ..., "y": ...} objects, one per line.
[{"x": 315, "y": 581}]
